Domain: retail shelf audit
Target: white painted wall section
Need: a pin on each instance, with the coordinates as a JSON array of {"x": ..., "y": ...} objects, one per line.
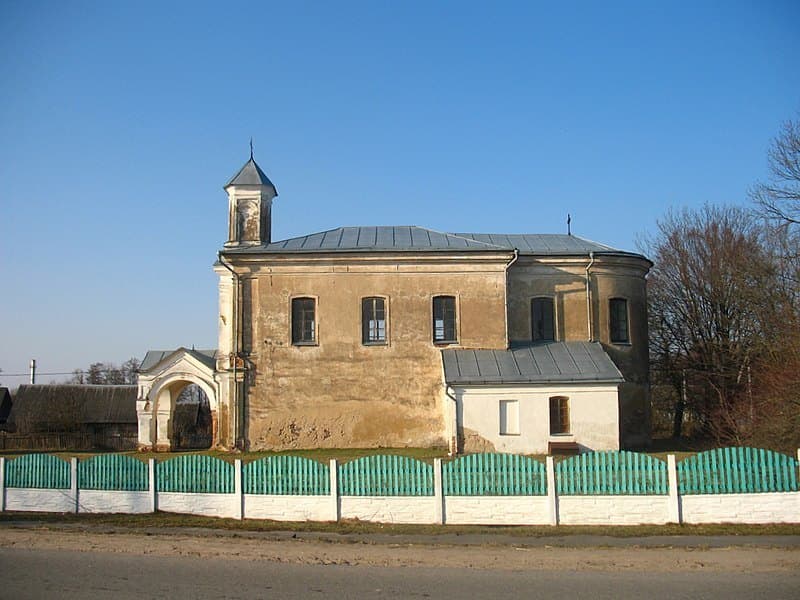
[
  {"x": 593, "y": 409},
  {"x": 741, "y": 508},
  {"x": 613, "y": 510},
  {"x": 101, "y": 501},
  {"x": 389, "y": 509},
  {"x": 288, "y": 508},
  {"x": 496, "y": 510},
  {"x": 209, "y": 505},
  {"x": 39, "y": 500}
]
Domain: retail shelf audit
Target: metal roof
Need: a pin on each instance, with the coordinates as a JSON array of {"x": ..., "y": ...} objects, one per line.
[
  {"x": 549, "y": 362},
  {"x": 370, "y": 239},
  {"x": 540, "y": 243},
  {"x": 154, "y": 357},
  {"x": 411, "y": 238},
  {"x": 80, "y": 404},
  {"x": 251, "y": 174}
]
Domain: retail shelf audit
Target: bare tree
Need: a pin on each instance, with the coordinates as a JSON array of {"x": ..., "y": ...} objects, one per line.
[
  {"x": 712, "y": 315},
  {"x": 779, "y": 198},
  {"x": 100, "y": 373}
]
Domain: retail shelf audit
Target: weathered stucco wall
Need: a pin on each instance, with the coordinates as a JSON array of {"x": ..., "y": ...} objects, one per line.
[
  {"x": 564, "y": 279},
  {"x": 338, "y": 392}
]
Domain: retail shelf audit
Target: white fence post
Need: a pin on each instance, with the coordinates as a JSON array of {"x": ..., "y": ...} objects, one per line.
[
  {"x": 552, "y": 496},
  {"x": 73, "y": 481},
  {"x": 237, "y": 489},
  {"x": 2, "y": 483},
  {"x": 151, "y": 483},
  {"x": 438, "y": 492},
  {"x": 334, "y": 477},
  {"x": 674, "y": 515}
]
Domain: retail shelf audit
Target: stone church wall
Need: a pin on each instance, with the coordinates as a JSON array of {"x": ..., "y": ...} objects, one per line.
[{"x": 339, "y": 392}]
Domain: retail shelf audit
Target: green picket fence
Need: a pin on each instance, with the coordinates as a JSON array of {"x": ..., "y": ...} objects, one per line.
[
  {"x": 385, "y": 475},
  {"x": 113, "y": 472},
  {"x": 38, "y": 471},
  {"x": 286, "y": 475},
  {"x": 494, "y": 474},
  {"x": 611, "y": 473},
  {"x": 195, "y": 473},
  {"x": 737, "y": 471}
]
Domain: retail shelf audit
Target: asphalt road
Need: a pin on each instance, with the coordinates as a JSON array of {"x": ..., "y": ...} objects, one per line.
[{"x": 63, "y": 574}]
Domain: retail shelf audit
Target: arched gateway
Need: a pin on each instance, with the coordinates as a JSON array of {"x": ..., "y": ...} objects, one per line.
[{"x": 162, "y": 377}]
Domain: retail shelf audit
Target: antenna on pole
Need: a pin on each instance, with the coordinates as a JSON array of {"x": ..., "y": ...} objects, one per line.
[
  {"x": 569, "y": 220},
  {"x": 33, "y": 371}
]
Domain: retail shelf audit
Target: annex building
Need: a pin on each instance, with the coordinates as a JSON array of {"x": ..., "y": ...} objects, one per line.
[{"x": 403, "y": 336}]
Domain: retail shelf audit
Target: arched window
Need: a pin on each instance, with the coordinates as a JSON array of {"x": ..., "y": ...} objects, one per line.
[
  {"x": 543, "y": 320},
  {"x": 373, "y": 321},
  {"x": 304, "y": 321},
  {"x": 559, "y": 415},
  {"x": 618, "y": 321},
  {"x": 444, "y": 320}
]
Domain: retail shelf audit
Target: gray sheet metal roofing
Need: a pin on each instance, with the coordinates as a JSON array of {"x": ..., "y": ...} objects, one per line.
[
  {"x": 154, "y": 357},
  {"x": 553, "y": 362},
  {"x": 251, "y": 174},
  {"x": 415, "y": 239}
]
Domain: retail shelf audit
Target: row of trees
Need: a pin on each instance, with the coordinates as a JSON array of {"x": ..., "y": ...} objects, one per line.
[
  {"x": 101, "y": 373},
  {"x": 724, "y": 312}
]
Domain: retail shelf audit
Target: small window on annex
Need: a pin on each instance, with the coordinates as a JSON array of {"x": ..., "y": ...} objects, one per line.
[
  {"x": 509, "y": 417},
  {"x": 618, "y": 321},
  {"x": 542, "y": 319},
  {"x": 304, "y": 323},
  {"x": 444, "y": 319},
  {"x": 559, "y": 415},
  {"x": 373, "y": 321}
]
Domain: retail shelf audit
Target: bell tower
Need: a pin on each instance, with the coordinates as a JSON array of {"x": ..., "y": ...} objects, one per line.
[{"x": 250, "y": 194}]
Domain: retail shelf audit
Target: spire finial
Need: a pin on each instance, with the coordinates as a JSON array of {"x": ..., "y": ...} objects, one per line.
[
  {"x": 251, "y": 147},
  {"x": 569, "y": 220}
]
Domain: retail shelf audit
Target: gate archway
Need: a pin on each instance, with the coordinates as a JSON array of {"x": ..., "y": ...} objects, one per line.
[{"x": 164, "y": 424}]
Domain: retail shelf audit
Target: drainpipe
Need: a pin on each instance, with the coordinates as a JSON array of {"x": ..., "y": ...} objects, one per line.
[
  {"x": 508, "y": 266},
  {"x": 453, "y": 450},
  {"x": 234, "y": 347},
  {"x": 589, "y": 297}
]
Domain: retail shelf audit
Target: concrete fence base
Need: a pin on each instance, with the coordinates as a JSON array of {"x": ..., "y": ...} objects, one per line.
[{"x": 550, "y": 509}]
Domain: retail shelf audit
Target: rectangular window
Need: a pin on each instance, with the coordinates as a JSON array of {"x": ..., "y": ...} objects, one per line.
[
  {"x": 444, "y": 319},
  {"x": 618, "y": 320},
  {"x": 559, "y": 415},
  {"x": 304, "y": 325},
  {"x": 543, "y": 319},
  {"x": 509, "y": 417},
  {"x": 373, "y": 321}
]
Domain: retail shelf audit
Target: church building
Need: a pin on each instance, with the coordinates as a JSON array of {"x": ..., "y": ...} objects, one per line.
[{"x": 403, "y": 336}]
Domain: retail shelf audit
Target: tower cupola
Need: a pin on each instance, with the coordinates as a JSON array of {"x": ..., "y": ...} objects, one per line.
[{"x": 250, "y": 194}]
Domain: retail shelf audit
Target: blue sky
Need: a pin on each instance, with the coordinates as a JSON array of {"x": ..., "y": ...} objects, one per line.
[{"x": 120, "y": 122}]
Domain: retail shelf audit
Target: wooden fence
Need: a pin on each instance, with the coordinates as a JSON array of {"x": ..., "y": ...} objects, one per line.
[
  {"x": 722, "y": 471},
  {"x": 737, "y": 471},
  {"x": 75, "y": 441},
  {"x": 494, "y": 475},
  {"x": 612, "y": 473}
]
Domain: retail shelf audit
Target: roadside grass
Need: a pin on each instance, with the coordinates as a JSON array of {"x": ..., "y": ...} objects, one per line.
[
  {"x": 319, "y": 454},
  {"x": 144, "y": 523},
  {"x": 659, "y": 449}
]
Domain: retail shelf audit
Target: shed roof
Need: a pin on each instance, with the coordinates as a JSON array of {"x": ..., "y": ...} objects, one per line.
[
  {"x": 411, "y": 238},
  {"x": 549, "y": 362},
  {"x": 89, "y": 403},
  {"x": 154, "y": 357}
]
